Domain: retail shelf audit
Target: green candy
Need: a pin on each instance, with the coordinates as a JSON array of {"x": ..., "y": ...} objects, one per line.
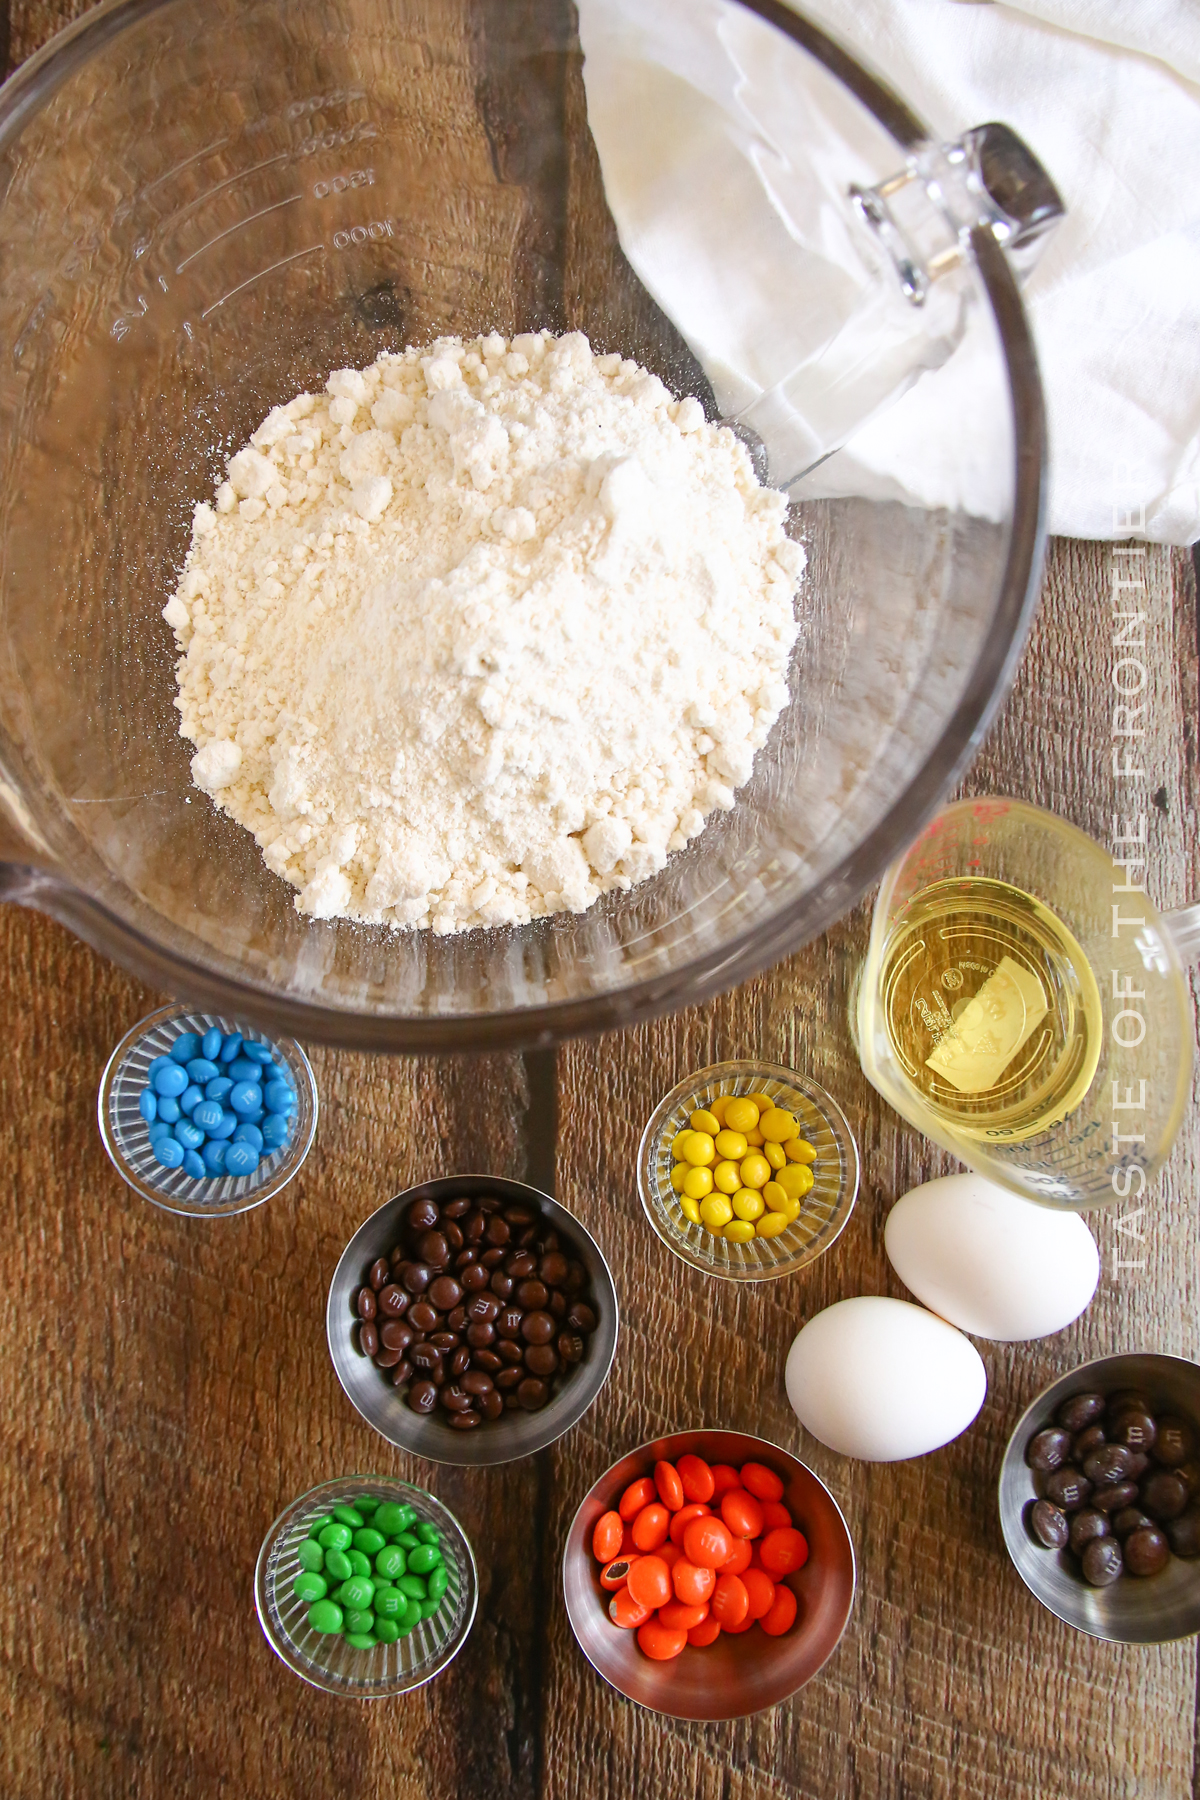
[
  {"x": 367, "y": 1505},
  {"x": 361, "y": 1640},
  {"x": 359, "y": 1619},
  {"x": 358, "y": 1591},
  {"x": 336, "y": 1536},
  {"x": 390, "y": 1603},
  {"x": 318, "y": 1524},
  {"x": 424, "y": 1558},
  {"x": 310, "y": 1555},
  {"x": 309, "y": 1586},
  {"x": 386, "y": 1630},
  {"x": 407, "y": 1539},
  {"x": 429, "y": 1534},
  {"x": 326, "y": 1617},
  {"x": 350, "y": 1516},
  {"x": 338, "y": 1564},
  {"x": 390, "y": 1518},
  {"x": 429, "y": 1607},
  {"x": 368, "y": 1540},
  {"x": 439, "y": 1581},
  {"x": 404, "y": 1626},
  {"x": 413, "y": 1586},
  {"x": 391, "y": 1562},
  {"x": 359, "y": 1563}
]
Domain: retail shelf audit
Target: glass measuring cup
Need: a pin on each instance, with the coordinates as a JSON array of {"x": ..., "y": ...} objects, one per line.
[
  {"x": 207, "y": 205},
  {"x": 1024, "y": 1004}
]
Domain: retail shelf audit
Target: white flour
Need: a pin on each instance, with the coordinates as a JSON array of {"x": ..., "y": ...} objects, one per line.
[{"x": 482, "y": 632}]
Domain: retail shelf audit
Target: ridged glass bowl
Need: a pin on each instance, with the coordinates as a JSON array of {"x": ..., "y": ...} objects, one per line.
[
  {"x": 824, "y": 1210},
  {"x": 331, "y": 1663},
  {"x": 126, "y": 1136}
]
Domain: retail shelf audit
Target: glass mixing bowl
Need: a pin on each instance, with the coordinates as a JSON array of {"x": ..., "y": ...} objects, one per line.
[{"x": 207, "y": 205}]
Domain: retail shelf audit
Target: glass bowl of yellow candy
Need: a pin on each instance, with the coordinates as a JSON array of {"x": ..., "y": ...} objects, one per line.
[{"x": 748, "y": 1171}]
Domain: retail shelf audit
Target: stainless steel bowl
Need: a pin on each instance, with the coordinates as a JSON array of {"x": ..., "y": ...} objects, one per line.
[
  {"x": 728, "y": 1680},
  {"x": 1153, "y": 1609},
  {"x": 517, "y": 1433}
]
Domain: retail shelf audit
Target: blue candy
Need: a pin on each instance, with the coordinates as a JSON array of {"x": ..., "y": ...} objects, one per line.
[
  {"x": 210, "y": 1044},
  {"x": 170, "y": 1081},
  {"x": 242, "y": 1069},
  {"x": 214, "y": 1157},
  {"x": 190, "y": 1097},
  {"x": 240, "y": 1159},
  {"x": 217, "y": 1090},
  {"x": 279, "y": 1098},
  {"x": 193, "y": 1166},
  {"x": 248, "y": 1134},
  {"x": 186, "y": 1045},
  {"x": 160, "y": 1062},
  {"x": 231, "y": 1047},
  {"x": 208, "y": 1114},
  {"x": 168, "y": 1152},
  {"x": 148, "y": 1105},
  {"x": 276, "y": 1129},
  {"x": 189, "y": 1135},
  {"x": 227, "y": 1127},
  {"x": 246, "y": 1098},
  {"x": 259, "y": 1053},
  {"x": 159, "y": 1130},
  {"x": 168, "y": 1109},
  {"x": 256, "y": 1117},
  {"x": 201, "y": 1070}
]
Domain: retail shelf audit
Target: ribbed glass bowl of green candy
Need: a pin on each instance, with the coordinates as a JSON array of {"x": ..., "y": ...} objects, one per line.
[{"x": 366, "y": 1587}]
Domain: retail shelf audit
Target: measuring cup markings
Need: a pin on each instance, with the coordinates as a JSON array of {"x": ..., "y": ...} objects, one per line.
[
  {"x": 229, "y": 230},
  {"x": 343, "y": 183},
  {"x": 251, "y": 279}
]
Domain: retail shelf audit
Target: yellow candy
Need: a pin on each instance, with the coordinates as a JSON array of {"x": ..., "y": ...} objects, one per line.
[
  {"x": 792, "y": 1211},
  {"x": 678, "y": 1141},
  {"x": 697, "y": 1183},
  {"x": 774, "y": 1155},
  {"x": 731, "y": 1144},
  {"x": 690, "y": 1209},
  {"x": 738, "y": 1231},
  {"x": 679, "y": 1176},
  {"x": 755, "y": 1139},
  {"x": 777, "y": 1126},
  {"x": 799, "y": 1150},
  {"x": 715, "y": 1212},
  {"x": 795, "y": 1180},
  {"x": 772, "y": 1224},
  {"x": 775, "y": 1197},
  {"x": 741, "y": 1114},
  {"x": 755, "y": 1170},
  {"x": 699, "y": 1150},
  {"x": 727, "y": 1177},
  {"x": 747, "y": 1204},
  {"x": 717, "y": 1107},
  {"x": 704, "y": 1121}
]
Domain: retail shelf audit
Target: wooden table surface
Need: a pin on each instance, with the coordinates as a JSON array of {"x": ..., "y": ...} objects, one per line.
[{"x": 167, "y": 1388}]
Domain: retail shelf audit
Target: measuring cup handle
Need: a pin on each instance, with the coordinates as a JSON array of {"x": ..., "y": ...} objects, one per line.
[{"x": 1183, "y": 929}]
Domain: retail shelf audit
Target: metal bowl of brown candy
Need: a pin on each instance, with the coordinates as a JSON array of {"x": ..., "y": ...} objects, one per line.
[
  {"x": 521, "y": 1385},
  {"x": 1126, "y": 1479}
]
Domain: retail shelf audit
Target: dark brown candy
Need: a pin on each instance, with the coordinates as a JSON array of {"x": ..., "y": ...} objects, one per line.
[
  {"x": 551, "y": 1241},
  {"x": 397, "y": 1334},
  {"x": 486, "y": 1359},
  {"x": 444, "y": 1293},
  {"x": 422, "y": 1396},
  {"x": 581, "y": 1317},
  {"x": 386, "y": 1357},
  {"x": 1086, "y": 1524},
  {"x": 1086, "y": 1443},
  {"x": 465, "y": 1258},
  {"x": 1139, "y": 1462},
  {"x": 497, "y": 1230},
  {"x": 456, "y": 1209},
  {"x": 457, "y": 1319},
  {"x": 422, "y": 1215},
  {"x": 1067, "y": 1487},
  {"x": 1130, "y": 1518},
  {"x": 491, "y": 1404},
  {"x": 533, "y": 1393},
  {"x": 473, "y": 1227},
  {"x": 1080, "y": 1410},
  {"x": 393, "y": 1301},
  {"x": 538, "y": 1327},
  {"x": 424, "y": 1316},
  {"x": 520, "y": 1264},
  {"x": 501, "y": 1284},
  {"x": 1189, "y": 1474},
  {"x": 488, "y": 1203},
  {"x": 491, "y": 1259},
  {"x": 433, "y": 1249},
  {"x": 553, "y": 1268},
  {"x": 532, "y": 1295},
  {"x": 424, "y": 1356},
  {"x": 396, "y": 1256},
  {"x": 570, "y": 1347},
  {"x": 365, "y": 1303},
  {"x": 415, "y": 1276},
  {"x": 510, "y": 1350},
  {"x": 464, "y": 1421},
  {"x": 558, "y": 1303},
  {"x": 510, "y": 1378},
  {"x": 368, "y": 1338},
  {"x": 455, "y": 1398},
  {"x": 474, "y": 1278},
  {"x": 480, "y": 1334},
  {"x": 1127, "y": 1400},
  {"x": 484, "y": 1308},
  {"x": 508, "y": 1322},
  {"x": 443, "y": 1340},
  {"x": 453, "y": 1235},
  {"x": 1102, "y": 1561},
  {"x": 511, "y": 1403},
  {"x": 477, "y": 1382},
  {"x": 518, "y": 1215},
  {"x": 541, "y": 1359},
  {"x": 1183, "y": 1533},
  {"x": 402, "y": 1372},
  {"x": 1109, "y": 1464},
  {"x": 1113, "y": 1497},
  {"x": 1163, "y": 1494},
  {"x": 1146, "y": 1551},
  {"x": 378, "y": 1272},
  {"x": 1050, "y": 1526},
  {"x": 1135, "y": 1429},
  {"x": 1174, "y": 1442},
  {"x": 577, "y": 1277},
  {"x": 1048, "y": 1449}
]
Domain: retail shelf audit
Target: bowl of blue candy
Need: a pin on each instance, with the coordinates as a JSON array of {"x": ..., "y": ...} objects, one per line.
[{"x": 204, "y": 1114}]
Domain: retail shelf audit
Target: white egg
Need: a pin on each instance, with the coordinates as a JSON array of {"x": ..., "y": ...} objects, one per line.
[
  {"x": 989, "y": 1261},
  {"x": 882, "y": 1379}
]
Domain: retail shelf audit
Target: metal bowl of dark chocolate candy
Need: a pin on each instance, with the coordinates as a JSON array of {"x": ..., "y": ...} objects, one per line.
[
  {"x": 552, "y": 1382},
  {"x": 1135, "y": 1608}
]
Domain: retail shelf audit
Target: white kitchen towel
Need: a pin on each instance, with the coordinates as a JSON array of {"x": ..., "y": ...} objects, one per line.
[{"x": 1107, "y": 94}]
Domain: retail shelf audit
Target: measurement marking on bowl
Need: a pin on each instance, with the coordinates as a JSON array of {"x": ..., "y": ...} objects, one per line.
[
  {"x": 179, "y": 167},
  {"x": 295, "y": 257},
  {"x": 208, "y": 194},
  {"x": 229, "y": 230}
]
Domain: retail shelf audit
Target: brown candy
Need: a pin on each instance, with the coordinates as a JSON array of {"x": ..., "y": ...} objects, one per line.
[
  {"x": 538, "y": 1327},
  {"x": 541, "y": 1359},
  {"x": 422, "y": 1215},
  {"x": 1102, "y": 1561},
  {"x": 422, "y": 1396},
  {"x": 365, "y": 1303},
  {"x": 1146, "y": 1551},
  {"x": 396, "y": 1334},
  {"x": 378, "y": 1272},
  {"x": 456, "y": 1209},
  {"x": 1086, "y": 1524},
  {"x": 444, "y": 1293},
  {"x": 1048, "y": 1449},
  {"x": 1080, "y": 1410},
  {"x": 368, "y": 1338},
  {"x": 1067, "y": 1487},
  {"x": 532, "y": 1393},
  {"x": 474, "y": 1278},
  {"x": 1174, "y": 1441},
  {"x": 1163, "y": 1494},
  {"x": 1050, "y": 1526},
  {"x": 532, "y": 1295},
  {"x": 423, "y": 1316},
  {"x": 464, "y": 1421}
]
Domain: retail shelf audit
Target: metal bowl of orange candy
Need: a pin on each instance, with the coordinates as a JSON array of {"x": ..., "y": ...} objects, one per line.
[
  {"x": 748, "y": 1171},
  {"x": 772, "y": 1644}
]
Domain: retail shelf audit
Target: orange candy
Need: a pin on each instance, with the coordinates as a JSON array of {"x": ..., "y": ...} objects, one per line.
[
  {"x": 762, "y": 1482},
  {"x": 650, "y": 1526},
  {"x": 638, "y": 1494},
  {"x": 761, "y": 1590},
  {"x": 730, "y": 1604},
  {"x": 670, "y": 1487},
  {"x": 627, "y": 1612},
  {"x": 704, "y": 1635},
  {"x": 606, "y": 1538},
  {"x": 683, "y": 1518},
  {"x": 724, "y": 1478},
  {"x": 697, "y": 1478},
  {"x": 615, "y": 1574},
  {"x": 783, "y": 1551},
  {"x": 692, "y": 1583},
  {"x": 739, "y": 1558},
  {"x": 782, "y": 1615},
  {"x": 707, "y": 1542},
  {"x": 742, "y": 1513},
  {"x": 747, "y": 1624},
  {"x": 659, "y": 1641},
  {"x": 681, "y": 1617},
  {"x": 670, "y": 1553},
  {"x": 774, "y": 1515},
  {"x": 650, "y": 1582}
]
